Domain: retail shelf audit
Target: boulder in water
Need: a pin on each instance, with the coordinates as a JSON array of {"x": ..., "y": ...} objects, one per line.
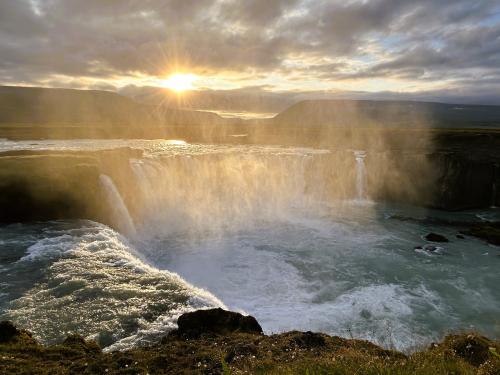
[
  {"x": 430, "y": 249},
  {"x": 215, "y": 321},
  {"x": 435, "y": 237}
]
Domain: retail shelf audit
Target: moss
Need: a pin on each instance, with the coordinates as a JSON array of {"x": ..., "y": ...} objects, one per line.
[{"x": 236, "y": 353}]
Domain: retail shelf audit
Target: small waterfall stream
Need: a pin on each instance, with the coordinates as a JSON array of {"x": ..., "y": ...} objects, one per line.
[
  {"x": 120, "y": 213},
  {"x": 360, "y": 175},
  {"x": 494, "y": 188}
]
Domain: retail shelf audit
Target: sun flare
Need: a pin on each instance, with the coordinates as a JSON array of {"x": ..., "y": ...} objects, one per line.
[{"x": 180, "y": 82}]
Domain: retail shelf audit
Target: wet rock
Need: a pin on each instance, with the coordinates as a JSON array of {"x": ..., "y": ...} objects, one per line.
[
  {"x": 8, "y": 331},
  {"x": 460, "y": 236},
  {"x": 215, "y": 321},
  {"x": 435, "y": 237},
  {"x": 429, "y": 248},
  {"x": 490, "y": 232}
]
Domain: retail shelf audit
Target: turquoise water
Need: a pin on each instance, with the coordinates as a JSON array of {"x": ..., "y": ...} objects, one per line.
[
  {"x": 348, "y": 275},
  {"x": 236, "y": 229}
]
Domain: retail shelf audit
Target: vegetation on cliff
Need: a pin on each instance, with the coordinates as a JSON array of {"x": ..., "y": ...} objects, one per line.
[{"x": 216, "y": 341}]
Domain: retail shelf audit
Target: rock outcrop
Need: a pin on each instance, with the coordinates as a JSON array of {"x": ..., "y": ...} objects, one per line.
[
  {"x": 216, "y": 321},
  {"x": 236, "y": 352}
]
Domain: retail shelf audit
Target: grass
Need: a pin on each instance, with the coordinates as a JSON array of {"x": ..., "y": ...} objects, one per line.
[{"x": 238, "y": 353}]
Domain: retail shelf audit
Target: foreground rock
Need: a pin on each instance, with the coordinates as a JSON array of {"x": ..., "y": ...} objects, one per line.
[
  {"x": 215, "y": 321},
  {"x": 7, "y": 331},
  {"x": 229, "y": 350}
]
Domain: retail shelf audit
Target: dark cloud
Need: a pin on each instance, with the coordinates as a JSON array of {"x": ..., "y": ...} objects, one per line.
[{"x": 330, "y": 41}]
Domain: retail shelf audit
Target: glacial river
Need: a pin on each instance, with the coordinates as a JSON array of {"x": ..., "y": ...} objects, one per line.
[{"x": 248, "y": 228}]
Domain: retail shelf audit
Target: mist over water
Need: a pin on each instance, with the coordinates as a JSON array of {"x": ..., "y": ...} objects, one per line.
[
  {"x": 120, "y": 213},
  {"x": 288, "y": 235},
  {"x": 227, "y": 189}
]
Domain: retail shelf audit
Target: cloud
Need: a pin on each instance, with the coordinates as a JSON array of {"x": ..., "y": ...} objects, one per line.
[{"x": 322, "y": 43}]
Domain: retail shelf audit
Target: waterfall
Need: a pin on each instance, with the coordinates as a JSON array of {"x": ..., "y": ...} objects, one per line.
[
  {"x": 360, "y": 175},
  {"x": 226, "y": 190},
  {"x": 494, "y": 187},
  {"x": 120, "y": 215}
]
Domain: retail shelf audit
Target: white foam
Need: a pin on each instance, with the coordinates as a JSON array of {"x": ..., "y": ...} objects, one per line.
[
  {"x": 49, "y": 247},
  {"x": 96, "y": 271}
]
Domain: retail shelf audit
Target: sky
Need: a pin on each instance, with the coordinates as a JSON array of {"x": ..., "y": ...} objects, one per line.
[{"x": 436, "y": 50}]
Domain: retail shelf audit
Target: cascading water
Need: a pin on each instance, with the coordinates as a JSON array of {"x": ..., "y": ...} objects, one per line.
[
  {"x": 119, "y": 210},
  {"x": 226, "y": 190},
  {"x": 494, "y": 188},
  {"x": 360, "y": 175},
  {"x": 271, "y": 231}
]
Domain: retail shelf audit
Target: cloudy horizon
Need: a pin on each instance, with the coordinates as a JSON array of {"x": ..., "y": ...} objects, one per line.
[{"x": 379, "y": 49}]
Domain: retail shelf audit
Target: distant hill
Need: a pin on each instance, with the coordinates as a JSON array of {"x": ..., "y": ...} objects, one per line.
[
  {"x": 35, "y": 105},
  {"x": 87, "y": 108},
  {"x": 367, "y": 113},
  {"x": 223, "y": 100}
]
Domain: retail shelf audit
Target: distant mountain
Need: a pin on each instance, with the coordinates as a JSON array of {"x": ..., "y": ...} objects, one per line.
[
  {"x": 85, "y": 108},
  {"x": 35, "y": 105},
  {"x": 366, "y": 113},
  {"x": 218, "y": 100}
]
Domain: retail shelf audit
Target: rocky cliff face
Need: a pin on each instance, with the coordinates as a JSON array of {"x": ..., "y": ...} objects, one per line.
[
  {"x": 464, "y": 183},
  {"x": 443, "y": 180},
  {"x": 42, "y": 185},
  {"x": 453, "y": 172}
]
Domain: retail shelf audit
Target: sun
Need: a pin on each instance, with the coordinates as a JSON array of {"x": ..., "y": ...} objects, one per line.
[{"x": 180, "y": 82}]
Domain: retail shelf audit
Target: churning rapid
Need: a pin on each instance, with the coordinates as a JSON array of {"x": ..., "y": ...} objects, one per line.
[{"x": 287, "y": 235}]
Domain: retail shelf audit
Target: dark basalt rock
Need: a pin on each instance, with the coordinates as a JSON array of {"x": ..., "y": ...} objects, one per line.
[
  {"x": 435, "y": 237},
  {"x": 490, "y": 232},
  {"x": 7, "y": 331},
  {"x": 460, "y": 236},
  {"x": 215, "y": 321}
]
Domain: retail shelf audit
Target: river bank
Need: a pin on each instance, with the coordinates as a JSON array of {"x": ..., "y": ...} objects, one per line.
[{"x": 216, "y": 341}]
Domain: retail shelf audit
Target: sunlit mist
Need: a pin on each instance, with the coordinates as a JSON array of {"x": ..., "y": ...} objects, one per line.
[{"x": 328, "y": 171}]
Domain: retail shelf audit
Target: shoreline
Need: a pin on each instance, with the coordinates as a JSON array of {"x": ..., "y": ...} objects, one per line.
[{"x": 221, "y": 342}]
